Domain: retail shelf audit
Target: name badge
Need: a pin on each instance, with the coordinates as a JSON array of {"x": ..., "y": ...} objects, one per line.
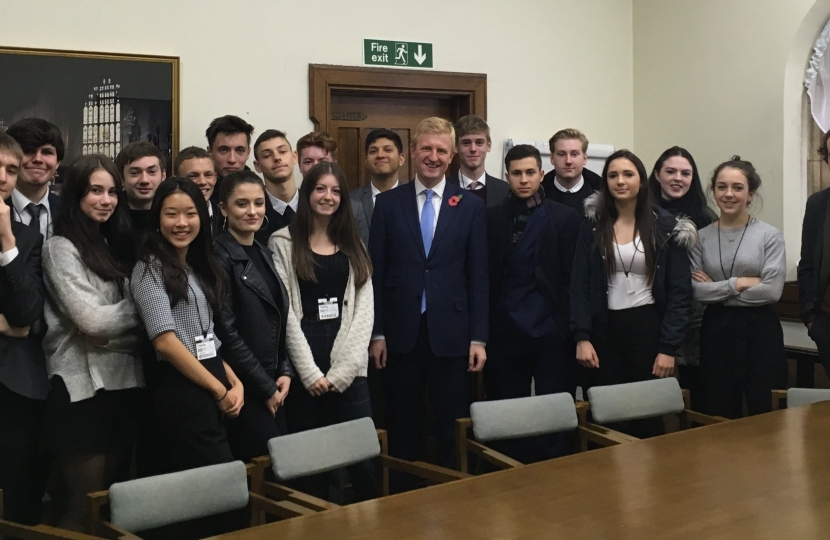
[
  {"x": 327, "y": 309},
  {"x": 205, "y": 347}
]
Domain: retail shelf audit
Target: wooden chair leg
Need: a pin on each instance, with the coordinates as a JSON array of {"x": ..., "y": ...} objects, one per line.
[
  {"x": 461, "y": 426},
  {"x": 383, "y": 439},
  {"x": 777, "y": 396}
]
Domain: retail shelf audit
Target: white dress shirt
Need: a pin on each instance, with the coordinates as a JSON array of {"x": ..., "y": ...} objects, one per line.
[
  {"x": 280, "y": 206},
  {"x": 576, "y": 187},
  {"x": 376, "y": 191},
  {"x": 421, "y": 198},
  {"x": 465, "y": 182},
  {"x": 20, "y": 202}
]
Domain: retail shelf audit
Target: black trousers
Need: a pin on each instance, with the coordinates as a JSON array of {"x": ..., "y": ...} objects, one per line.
[
  {"x": 23, "y": 471},
  {"x": 741, "y": 356},
  {"x": 627, "y": 354},
  {"x": 249, "y": 433},
  {"x": 191, "y": 426},
  {"x": 304, "y": 411},
  {"x": 514, "y": 361},
  {"x": 820, "y": 333},
  {"x": 409, "y": 376}
]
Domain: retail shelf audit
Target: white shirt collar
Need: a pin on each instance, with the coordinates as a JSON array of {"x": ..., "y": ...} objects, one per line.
[
  {"x": 437, "y": 190},
  {"x": 574, "y": 189},
  {"x": 210, "y": 208},
  {"x": 465, "y": 182},
  {"x": 20, "y": 202},
  {"x": 376, "y": 191},
  {"x": 280, "y": 206}
]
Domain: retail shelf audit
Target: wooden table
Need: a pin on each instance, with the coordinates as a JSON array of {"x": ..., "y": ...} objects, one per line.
[{"x": 762, "y": 477}]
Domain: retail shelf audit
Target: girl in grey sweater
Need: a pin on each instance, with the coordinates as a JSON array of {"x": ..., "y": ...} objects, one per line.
[
  {"x": 738, "y": 272},
  {"x": 92, "y": 340}
]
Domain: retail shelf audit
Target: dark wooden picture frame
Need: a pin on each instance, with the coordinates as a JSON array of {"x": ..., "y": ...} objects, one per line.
[{"x": 99, "y": 101}]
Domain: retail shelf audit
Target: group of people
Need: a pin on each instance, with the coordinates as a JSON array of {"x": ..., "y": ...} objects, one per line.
[{"x": 188, "y": 320}]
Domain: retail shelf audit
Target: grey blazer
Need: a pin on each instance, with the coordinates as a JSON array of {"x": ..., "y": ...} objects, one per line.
[
  {"x": 497, "y": 189},
  {"x": 362, "y": 206}
]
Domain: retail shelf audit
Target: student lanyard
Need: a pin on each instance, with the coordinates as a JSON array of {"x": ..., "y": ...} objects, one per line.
[
  {"x": 720, "y": 253},
  {"x": 198, "y": 311}
]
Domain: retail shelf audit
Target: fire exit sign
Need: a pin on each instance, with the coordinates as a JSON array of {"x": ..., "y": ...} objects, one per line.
[{"x": 378, "y": 52}]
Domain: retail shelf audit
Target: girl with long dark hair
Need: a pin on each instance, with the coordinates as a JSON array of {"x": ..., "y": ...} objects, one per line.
[
  {"x": 676, "y": 187},
  {"x": 325, "y": 266},
  {"x": 253, "y": 317},
  {"x": 631, "y": 283},
  {"x": 739, "y": 272},
  {"x": 93, "y": 336},
  {"x": 178, "y": 285}
]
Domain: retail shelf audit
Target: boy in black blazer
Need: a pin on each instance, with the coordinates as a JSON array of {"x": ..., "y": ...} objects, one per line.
[
  {"x": 23, "y": 380},
  {"x": 531, "y": 243}
]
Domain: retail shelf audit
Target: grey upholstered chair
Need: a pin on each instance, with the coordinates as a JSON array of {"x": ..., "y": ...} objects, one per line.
[
  {"x": 324, "y": 449},
  {"x": 798, "y": 397},
  {"x": 511, "y": 419},
  {"x": 157, "y": 501},
  {"x": 635, "y": 401}
]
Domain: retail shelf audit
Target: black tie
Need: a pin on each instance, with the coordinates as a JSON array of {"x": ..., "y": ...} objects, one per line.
[
  {"x": 34, "y": 211},
  {"x": 289, "y": 214}
]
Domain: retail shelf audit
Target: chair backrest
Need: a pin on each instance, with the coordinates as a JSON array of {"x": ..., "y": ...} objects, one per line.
[
  {"x": 523, "y": 417},
  {"x": 324, "y": 449},
  {"x": 147, "y": 503},
  {"x": 633, "y": 401},
  {"x": 798, "y": 397}
]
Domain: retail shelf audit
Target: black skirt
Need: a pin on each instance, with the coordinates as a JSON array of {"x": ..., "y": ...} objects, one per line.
[{"x": 103, "y": 424}]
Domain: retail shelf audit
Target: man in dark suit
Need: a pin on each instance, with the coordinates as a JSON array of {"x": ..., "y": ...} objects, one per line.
[
  {"x": 814, "y": 267},
  {"x": 32, "y": 203},
  {"x": 430, "y": 283},
  {"x": 23, "y": 381},
  {"x": 473, "y": 139},
  {"x": 196, "y": 164},
  {"x": 384, "y": 156},
  {"x": 229, "y": 144},
  {"x": 531, "y": 242},
  {"x": 143, "y": 169},
  {"x": 275, "y": 160},
  {"x": 570, "y": 182}
]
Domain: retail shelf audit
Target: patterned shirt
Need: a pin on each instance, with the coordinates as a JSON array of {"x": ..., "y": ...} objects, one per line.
[{"x": 186, "y": 319}]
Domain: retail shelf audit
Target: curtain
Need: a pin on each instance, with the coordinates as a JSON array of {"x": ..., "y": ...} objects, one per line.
[{"x": 817, "y": 81}]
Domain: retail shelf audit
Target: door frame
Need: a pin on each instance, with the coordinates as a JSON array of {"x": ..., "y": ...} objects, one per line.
[{"x": 325, "y": 79}]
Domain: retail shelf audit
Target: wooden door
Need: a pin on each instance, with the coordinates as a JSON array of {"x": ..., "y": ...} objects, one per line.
[
  {"x": 355, "y": 116},
  {"x": 349, "y": 102}
]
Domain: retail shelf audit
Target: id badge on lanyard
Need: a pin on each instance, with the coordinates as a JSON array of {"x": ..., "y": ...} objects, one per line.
[
  {"x": 205, "y": 347},
  {"x": 327, "y": 309}
]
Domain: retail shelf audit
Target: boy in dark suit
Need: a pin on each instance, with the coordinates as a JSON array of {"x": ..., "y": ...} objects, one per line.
[
  {"x": 384, "y": 156},
  {"x": 473, "y": 139},
  {"x": 531, "y": 242},
  {"x": 430, "y": 283},
  {"x": 43, "y": 149},
  {"x": 570, "y": 182},
  {"x": 23, "y": 381},
  {"x": 275, "y": 160}
]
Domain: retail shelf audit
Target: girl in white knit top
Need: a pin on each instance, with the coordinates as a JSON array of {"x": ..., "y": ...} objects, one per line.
[
  {"x": 327, "y": 271},
  {"x": 92, "y": 341}
]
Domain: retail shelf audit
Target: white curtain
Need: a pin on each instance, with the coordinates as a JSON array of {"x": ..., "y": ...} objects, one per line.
[{"x": 817, "y": 81}]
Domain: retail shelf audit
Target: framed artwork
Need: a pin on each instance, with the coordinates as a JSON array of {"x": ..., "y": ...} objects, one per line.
[{"x": 99, "y": 101}]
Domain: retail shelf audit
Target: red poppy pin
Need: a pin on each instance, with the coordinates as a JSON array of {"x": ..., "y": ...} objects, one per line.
[{"x": 454, "y": 200}]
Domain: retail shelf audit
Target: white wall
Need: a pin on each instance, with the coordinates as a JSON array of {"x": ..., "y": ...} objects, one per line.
[
  {"x": 251, "y": 59},
  {"x": 724, "y": 77}
]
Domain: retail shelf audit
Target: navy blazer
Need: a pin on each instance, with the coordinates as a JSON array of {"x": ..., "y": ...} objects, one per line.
[
  {"x": 547, "y": 246},
  {"x": 497, "y": 189},
  {"x": 454, "y": 272},
  {"x": 23, "y": 365}
]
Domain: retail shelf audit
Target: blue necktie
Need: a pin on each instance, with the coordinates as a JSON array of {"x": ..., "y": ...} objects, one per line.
[{"x": 427, "y": 226}]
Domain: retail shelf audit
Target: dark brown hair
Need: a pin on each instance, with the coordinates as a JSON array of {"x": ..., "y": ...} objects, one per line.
[
  {"x": 753, "y": 179},
  {"x": 137, "y": 150},
  {"x": 320, "y": 140},
  {"x": 108, "y": 249},
  {"x": 342, "y": 229},
  {"x": 191, "y": 152},
  {"x": 822, "y": 150},
  {"x": 644, "y": 219}
]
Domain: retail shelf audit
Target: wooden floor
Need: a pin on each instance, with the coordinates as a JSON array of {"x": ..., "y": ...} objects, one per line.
[{"x": 757, "y": 478}]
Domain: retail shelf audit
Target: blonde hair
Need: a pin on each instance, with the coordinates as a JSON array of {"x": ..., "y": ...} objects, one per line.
[
  {"x": 10, "y": 146},
  {"x": 433, "y": 126},
  {"x": 565, "y": 134}
]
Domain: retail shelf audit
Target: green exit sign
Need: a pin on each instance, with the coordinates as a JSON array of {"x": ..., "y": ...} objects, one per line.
[{"x": 378, "y": 52}]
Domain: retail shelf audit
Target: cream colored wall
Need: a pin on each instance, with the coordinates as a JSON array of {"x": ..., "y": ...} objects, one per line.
[
  {"x": 251, "y": 59},
  {"x": 723, "y": 77}
]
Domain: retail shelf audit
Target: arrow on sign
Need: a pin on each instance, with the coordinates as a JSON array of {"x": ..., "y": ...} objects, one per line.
[{"x": 420, "y": 56}]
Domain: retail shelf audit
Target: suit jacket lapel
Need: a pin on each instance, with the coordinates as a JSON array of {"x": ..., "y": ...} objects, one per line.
[
  {"x": 446, "y": 214},
  {"x": 410, "y": 212}
]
